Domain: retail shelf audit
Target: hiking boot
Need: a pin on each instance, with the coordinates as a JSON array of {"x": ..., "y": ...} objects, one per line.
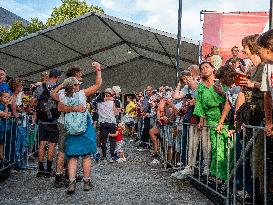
[
  {"x": 47, "y": 173},
  {"x": 59, "y": 181},
  {"x": 87, "y": 185},
  {"x": 79, "y": 178},
  {"x": 40, "y": 173},
  {"x": 71, "y": 187}
]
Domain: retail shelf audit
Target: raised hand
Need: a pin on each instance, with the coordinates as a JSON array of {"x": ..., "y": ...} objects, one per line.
[{"x": 96, "y": 65}]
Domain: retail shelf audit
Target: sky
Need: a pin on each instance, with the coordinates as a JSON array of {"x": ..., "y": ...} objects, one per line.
[{"x": 158, "y": 14}]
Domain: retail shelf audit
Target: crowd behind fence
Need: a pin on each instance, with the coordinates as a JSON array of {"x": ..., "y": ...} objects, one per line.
[
  {"x": 244, "y": 165},
  {"x": 19, "y": 143},
  {"x": 179, "y": 144}
]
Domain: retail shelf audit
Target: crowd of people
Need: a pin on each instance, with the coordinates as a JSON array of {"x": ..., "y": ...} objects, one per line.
[{"x": 207, "y": 109}]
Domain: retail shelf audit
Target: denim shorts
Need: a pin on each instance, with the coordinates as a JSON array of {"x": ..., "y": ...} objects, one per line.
[{"x": 120, "y": 146}]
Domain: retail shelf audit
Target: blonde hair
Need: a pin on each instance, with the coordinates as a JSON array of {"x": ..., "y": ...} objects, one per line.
[{"x": 122, "y": 126}]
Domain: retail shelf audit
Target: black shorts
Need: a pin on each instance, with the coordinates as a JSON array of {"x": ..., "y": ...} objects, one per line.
[
  {"x": 95, "y": 116},
  {"x": 49, "y": 132}
]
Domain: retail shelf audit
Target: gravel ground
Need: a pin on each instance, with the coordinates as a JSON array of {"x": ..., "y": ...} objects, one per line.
[{"x": 133, "y": 182}]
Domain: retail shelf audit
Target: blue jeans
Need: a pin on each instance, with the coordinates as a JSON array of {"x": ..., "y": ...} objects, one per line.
[
  {"x": 10, "y": 144},
  {"x": 21, "y": 142}
]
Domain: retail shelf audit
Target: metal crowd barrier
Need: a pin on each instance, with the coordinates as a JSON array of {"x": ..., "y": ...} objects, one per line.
[
  {"x": 19, "y": 142},
  {"x": 244, "y": 155}
]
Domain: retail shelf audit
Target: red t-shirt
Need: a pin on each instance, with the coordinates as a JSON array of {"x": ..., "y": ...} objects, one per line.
[{"x": 119, "y": 136}]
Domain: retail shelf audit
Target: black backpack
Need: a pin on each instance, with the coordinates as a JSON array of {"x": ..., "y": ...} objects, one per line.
[{"x": 47, "y": 107}]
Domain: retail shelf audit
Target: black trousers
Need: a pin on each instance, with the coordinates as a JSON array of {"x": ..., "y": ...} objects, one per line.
[
  {"x": 105, "y": 129},
  {"x": 145, "y": 132}
]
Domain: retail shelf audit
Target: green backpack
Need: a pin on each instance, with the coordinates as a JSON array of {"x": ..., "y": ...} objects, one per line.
[{"x": 75, "y": 123}]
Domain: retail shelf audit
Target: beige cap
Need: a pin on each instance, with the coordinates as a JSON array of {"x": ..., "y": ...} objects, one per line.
[
  {"x": 116, "y": 89},
  {"x": 71, "y": 81},
  {"x": 109, "y": 90}
]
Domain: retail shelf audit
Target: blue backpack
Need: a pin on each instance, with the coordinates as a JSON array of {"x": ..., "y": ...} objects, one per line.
[{"x": 75, "y": 123}]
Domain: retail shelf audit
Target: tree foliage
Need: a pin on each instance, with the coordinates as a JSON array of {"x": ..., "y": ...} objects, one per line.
[
  {"x": 35, "y": 25},
  {"x": 16, "y": 30},
  {"x": 69, "y": 9}
]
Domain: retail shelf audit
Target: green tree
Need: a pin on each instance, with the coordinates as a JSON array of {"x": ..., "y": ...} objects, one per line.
[
  {"x": 70, "y": 9},
  {"x": 15, "y": 31},
  {"x": 3, "y": 33},
  {"x": 35, "y": 25}
]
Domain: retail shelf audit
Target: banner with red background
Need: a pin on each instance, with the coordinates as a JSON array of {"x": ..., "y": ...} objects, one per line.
[{"x": 226, "y": 30}]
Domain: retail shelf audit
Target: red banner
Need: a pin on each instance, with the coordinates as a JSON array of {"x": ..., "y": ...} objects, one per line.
[{"x": 226, "y": 30}]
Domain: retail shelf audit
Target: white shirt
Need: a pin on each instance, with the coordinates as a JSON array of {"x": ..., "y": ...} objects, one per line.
[
  {"x": 19, "y": 102},
  {"x": 267, "y": 79}
]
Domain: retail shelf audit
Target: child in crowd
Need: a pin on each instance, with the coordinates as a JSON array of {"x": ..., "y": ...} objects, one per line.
[
  {"x": 5, "y": 124},
  {"x": 20, "y": 113},
  {"x": 119, "y": 142}
]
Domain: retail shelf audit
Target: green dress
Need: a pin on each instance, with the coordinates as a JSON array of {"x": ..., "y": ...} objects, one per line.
[{"x": 209, "y": 106}]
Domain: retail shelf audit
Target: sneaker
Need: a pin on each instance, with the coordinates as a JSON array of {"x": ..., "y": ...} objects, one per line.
[
  {"x": 47, "y": 174},
  {"x": 155, "y": 162},
  {"x": 168, "y": 165},
  {"x": 103, "y": 159},
  {"x": 180, "y": 164},
  {"x": 248, "y": 197},
  {"x": 59, "y": 181},
  {"x": 111, "y": 160},
  {"x": 40, "y": 173},
  {"x": 206, "y": 171},
  {"x": 79, "y": 178},
  {"x": 119, "y": 160},
  {"x": 71, "y": 187},
  {"x": 184, "y": 173},
  {"x": 241, "y": 194},
  {"x": 97, "y": 157},
  {"x": 87, "y": 185},
  {"x": 175, "y": 174},
  {"x": 140, "y": 145}
]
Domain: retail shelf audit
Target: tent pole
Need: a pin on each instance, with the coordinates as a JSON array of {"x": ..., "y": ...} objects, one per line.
[
  {"x": 270, "y": 14},
  {"x": 178, "y": 40}
]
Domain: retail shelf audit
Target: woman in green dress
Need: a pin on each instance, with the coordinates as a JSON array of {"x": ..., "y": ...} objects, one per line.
[{"x": 208, "y": 107}]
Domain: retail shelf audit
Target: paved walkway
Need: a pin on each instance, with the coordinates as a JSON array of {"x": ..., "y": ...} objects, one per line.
[{"x": 133, "y": 182}]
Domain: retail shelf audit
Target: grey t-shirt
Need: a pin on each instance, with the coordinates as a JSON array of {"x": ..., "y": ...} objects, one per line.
[{"x": 106, "y": 112}]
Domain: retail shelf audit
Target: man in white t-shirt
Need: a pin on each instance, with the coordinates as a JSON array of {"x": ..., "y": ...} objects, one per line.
[
  {"x": 265, "y": 41},
  {"x": 267, "y": 88}
]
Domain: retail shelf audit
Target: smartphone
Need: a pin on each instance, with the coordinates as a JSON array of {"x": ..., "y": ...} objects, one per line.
[{"x": 239, "y": 77}]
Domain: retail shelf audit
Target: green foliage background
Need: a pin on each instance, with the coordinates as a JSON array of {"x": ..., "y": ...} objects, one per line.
[{"x": 69, "y": 9}]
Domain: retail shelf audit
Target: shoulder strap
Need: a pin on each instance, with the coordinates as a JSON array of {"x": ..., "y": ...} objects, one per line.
[{"x": 44, "y": 86}]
